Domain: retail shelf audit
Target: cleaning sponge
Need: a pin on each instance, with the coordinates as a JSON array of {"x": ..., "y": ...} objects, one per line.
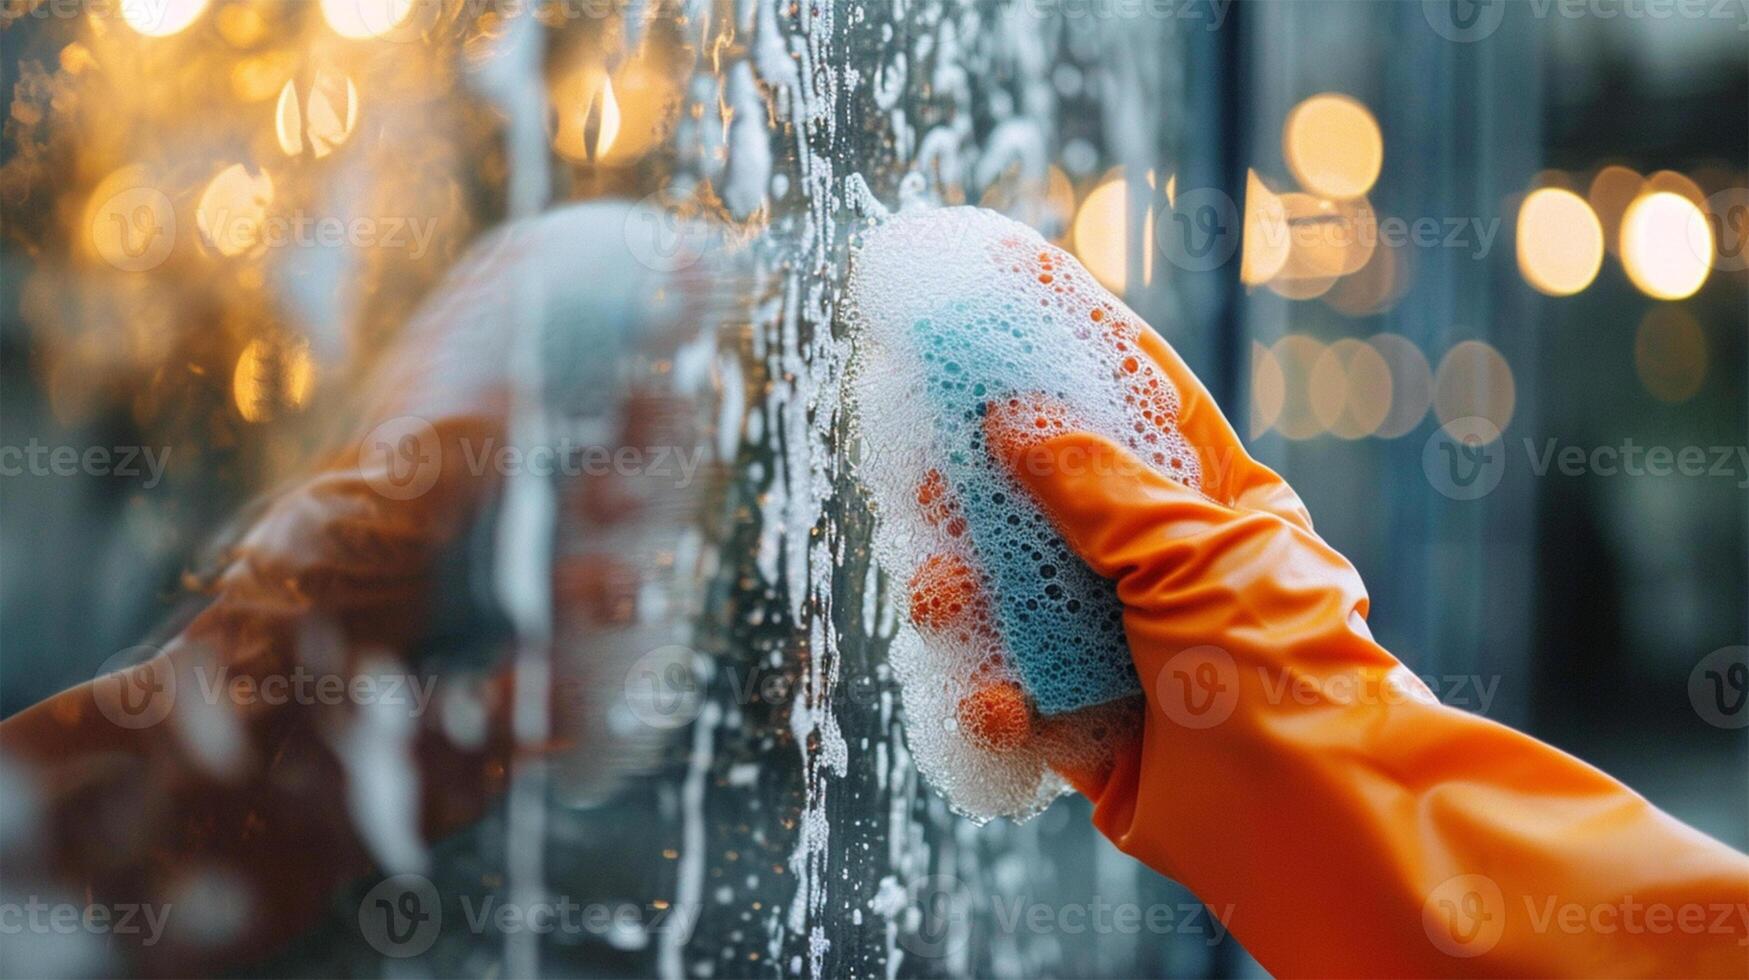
[{"x": 958, "y": 313}]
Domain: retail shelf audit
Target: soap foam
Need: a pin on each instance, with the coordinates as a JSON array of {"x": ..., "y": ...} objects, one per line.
[{"x": 957, "y": 312}]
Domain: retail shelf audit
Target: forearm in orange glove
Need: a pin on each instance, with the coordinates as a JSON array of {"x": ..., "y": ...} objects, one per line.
[{"x": 1290, "y": 768}]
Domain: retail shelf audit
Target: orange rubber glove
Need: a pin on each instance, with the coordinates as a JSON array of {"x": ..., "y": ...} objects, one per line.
[{"x": 1289, "y": 767}]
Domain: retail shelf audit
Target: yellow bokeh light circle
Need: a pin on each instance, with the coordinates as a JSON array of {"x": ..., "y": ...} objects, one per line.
[
  {"x": 271, "y": 374},
  {"x": 1612, "y": 190},
  {"x": 1560, "y": 242},
  {"x": 233, "y": 211},
  {"x": 1268, "y": 389},
  {"x": 1102, "y": 237},
  {"x": 1296, "y": 355},
  {"x": 1474, "y": 381},
  {"x": 1411, "y": 384},
  {"x": 1350, "y": 389},
  {"x": 1666, "y": 245},
  {"x": 1333, "y": 146}
]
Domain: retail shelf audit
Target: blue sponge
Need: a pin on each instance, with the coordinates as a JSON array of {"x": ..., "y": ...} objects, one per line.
[{"x": 954, "y": 313}]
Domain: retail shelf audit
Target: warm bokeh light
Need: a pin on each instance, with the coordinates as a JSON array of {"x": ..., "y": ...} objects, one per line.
[
  {"x": 162, "y": 18},
  {"x": 1670, "y": 354},
  {"x": 1350, "y": 389},
  {"x": 607, "y": 119},
  {"x": 1102, "y": 236},
  {"x": 1268, "y": 389},
  {"x": 129, "y": 222},
  {"x": 361, "y": 19},
  {"x": 1560, "y": 242},
  {"x": 1411, "y": 384},
  {"x": 1474, "y": 380},
  {"x": 1376, "y": 286},
  {"x": 1666, "y": 245},
  {"x": 1333, "y": 146},
  {"x": 1679, "y": 184},
  {"x": 233, "y": 210},
  {"x": 1265, "y": 245},
  {"x": 1297, "y": 355},
  {"x": 588, "y": 116},
  {"x": 1612, "y": 190},
  {"x": 322, "y": 120},
  {"x": 1326, "y": 241},
  {"x": 271, "y": 375}
]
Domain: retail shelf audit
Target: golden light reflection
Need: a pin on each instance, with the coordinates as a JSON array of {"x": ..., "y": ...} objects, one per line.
[
  {"x": 1666, "y": 245},
  {"x": 1678, "y": 184},
  {"x": 607, "y": 120},
  {"x": 1265, "y": 245},
  {"x": 1670, "y": 354},
  {"x": 162, "y": 18},
  {"x": 232, "y": 213},
  {"x": 322, "y": 120},
  {"x": 1326, "y": 241},
  {"x": 588, "y": 116},
  {"x": 1333, "y": 146},
  {"x": 1350, "y": 389},
  {"x": 1612, "y": 190},
  {"x": 1297, "y": 355},
  {"x": 1376, "y": 286},
  {"x": 1411, "y": 384},
  {"x": 241, "y": 25},
  {"x": 363, "y": 19},
  {"x": 1560, "y": 242},
  {"x": 1102, "y": 237},
  {"x": 1268, "y": 389},
  {"x": 129, "y": 222},
  {"x": 271, "y": 375},
  {"x": 258, "y": 78},
  {"x": 1474, "y": 380}
]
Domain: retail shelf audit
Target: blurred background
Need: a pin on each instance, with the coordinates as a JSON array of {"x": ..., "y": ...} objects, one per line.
[{"x": 1472, "y": 276}]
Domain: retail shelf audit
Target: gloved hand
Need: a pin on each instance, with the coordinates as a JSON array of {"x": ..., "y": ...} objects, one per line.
[{"x": 1291, "y": 768}]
